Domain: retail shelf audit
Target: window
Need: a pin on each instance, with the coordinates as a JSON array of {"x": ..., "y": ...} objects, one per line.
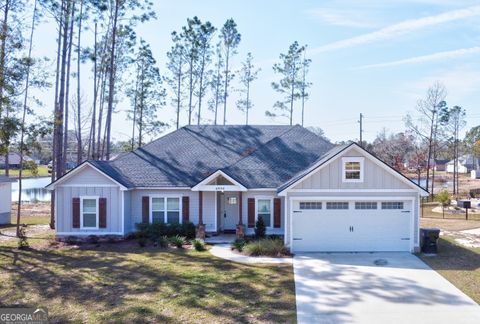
[
  {"x": 232, "y": 200},
  {"x": 337, "y": 205},
  {"x": 310, "y": 205},
  {"x": 165, "y": 210},
  {"x": 352, "y": 169},
  {"x": 264, "y": 211},
  {"x": 365, "y": 205},
  {"x": 392, "y": 205},
  {"x": 89, "y": 212}
]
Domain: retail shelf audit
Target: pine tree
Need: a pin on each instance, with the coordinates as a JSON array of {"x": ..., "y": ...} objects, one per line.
[
  {"x": 147, "y": 95},
  {"x": 230, "y": 38},
  {"x": 248, "y": 74},
  {"x": 290, "y": 85}
]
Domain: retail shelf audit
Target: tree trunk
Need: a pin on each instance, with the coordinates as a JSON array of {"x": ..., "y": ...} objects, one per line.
[
  {"x": 200, "y": 92},
  {"x": 292, "y": 96},
  {"x": 6, "y": 10},
  {"x": 79, "y": 115},
  {"x": 225, "y": 93},
  {"x": 142, "y": 95},
  {"x": 67, "y": 87},
  {"x": 55, "y": 109},
  {"x": 24, "y": 115},
  {"x": 111, "y": 82},
  {"x": 92, "y": 139},
  {"x": 135, "y": 114},
  {"x": 190, "y": 96},
  {"x": 179, "y": 93},
  {"x": 60, "y": 163},
  {"x": 248, "y": 101}
]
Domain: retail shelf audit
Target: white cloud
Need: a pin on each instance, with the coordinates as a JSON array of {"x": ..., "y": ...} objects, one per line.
[
  {"x": 460, "y": 82},
  {"x": 427, "y": 58},
  {"x": 339, "y": 17},
  {"x": 399, "y": 29}
]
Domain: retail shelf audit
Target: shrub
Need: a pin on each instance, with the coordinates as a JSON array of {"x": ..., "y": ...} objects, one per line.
[
  {"x": 238, "y": 245},
  {"x": 157, "y": 230},
  {"x": 93, "y": 239},
  {"x": 199, "y": 245},
  {"x": 142, "y": 241},
  {"x": 178, "y": 241},
  {"x": 269, "y": 247},
  {"x": 22, "y": 238},
  {"x": 260, "y": 228},
  {"x": 162, "y": 241},
  {"x": 71, "y": 240}
]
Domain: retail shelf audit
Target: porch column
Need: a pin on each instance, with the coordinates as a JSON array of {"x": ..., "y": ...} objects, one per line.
[
  {"x": 201, "y": 226},
  {"x": 240, "y": 228}
]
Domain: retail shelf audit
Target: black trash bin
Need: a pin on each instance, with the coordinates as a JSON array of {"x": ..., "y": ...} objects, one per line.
[{"x": 429, "y": 239}]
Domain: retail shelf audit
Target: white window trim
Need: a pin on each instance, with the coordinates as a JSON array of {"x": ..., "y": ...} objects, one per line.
[
  {"x": 180, "y": 206},
  {"x": 359, "y": 159},
  {"x": 271, "y": 209},
  {"x": 97, "y": 212}
]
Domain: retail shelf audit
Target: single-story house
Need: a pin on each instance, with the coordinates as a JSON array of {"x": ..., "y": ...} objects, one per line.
[
  {"x": 13, "y": 160},
  {"x": 317, "y": 196},
  {"x": 5, "y": 199},
  {"x": 465, "y": 164},
  {"x": 440, "y": 164}
]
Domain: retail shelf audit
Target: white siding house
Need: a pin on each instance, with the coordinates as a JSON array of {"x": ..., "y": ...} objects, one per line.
[
  {"x": 5, "y": 199},
  {"x": 316, "y": 196}
]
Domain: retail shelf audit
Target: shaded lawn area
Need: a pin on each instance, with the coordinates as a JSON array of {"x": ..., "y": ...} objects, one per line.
[
  {"x": 121, "y": 282},
  {"x": 458, "y": 264},
  {"x": 449, "y": 224}
]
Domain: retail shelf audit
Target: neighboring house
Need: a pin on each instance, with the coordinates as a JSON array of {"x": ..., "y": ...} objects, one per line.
[
  {"x": 13, "y": 160},
  {"x": 5, "y": 199},
  {"x": 318, "y": 196},
  {"x": 465, "y": 164},
  {"x": 440, "y": 165}
]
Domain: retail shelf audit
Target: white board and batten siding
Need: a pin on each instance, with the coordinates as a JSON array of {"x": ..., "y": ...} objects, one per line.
[
  {"x": 88, "y": 182},
  {"x": 5, "y": 202},
  {"x": 373, "y": 230}
]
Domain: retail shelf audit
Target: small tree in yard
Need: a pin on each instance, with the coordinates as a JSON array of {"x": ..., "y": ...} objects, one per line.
[
  {"x": 443, "y": 197},
  {"x": 260, "y": 228}
]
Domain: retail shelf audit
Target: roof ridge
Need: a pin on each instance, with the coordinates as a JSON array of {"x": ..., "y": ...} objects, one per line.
[{"x": 261, "y": 146}]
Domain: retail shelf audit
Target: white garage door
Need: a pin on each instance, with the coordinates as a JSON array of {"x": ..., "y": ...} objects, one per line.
[{"x": 340, "y": 226}]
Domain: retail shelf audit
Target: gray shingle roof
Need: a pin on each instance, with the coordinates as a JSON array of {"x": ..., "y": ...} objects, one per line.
[{"x": 256, "y": 156}]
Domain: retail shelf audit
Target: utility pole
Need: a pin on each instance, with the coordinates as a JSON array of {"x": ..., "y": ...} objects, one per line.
[{"x": 361, "y": 129}]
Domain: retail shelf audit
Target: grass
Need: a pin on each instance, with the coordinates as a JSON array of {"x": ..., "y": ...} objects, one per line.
[
  {"x": 458, "y": 264},
  {"x": 42, "y": 172},
  {"x": 125, "y": 283},
  {"x": 427, "y": 212}
]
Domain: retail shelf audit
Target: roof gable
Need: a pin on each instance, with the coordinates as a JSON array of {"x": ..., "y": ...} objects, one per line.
[{"x": 327, "y": 172}]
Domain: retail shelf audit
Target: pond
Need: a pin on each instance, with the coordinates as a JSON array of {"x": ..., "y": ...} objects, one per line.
[
  {"x": 33, "y": 189},
  {"x": 423, "y": 182}
]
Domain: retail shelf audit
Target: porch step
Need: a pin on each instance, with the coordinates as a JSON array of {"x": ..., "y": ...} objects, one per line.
[
  {"x": 229, "y": 231},
  {"x": 220, "y": 239}
]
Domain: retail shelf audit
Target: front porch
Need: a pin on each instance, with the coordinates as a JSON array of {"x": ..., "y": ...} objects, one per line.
[{"x": 227, "y": 208}]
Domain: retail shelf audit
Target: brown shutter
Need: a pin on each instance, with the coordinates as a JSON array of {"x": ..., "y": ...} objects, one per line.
[
  {"x": 145, "y": 209},
  {"x": 185, "y": 209},
  {"x": 76, "y": 212},
  {"x": 251, "y": 212},
  {"x": 102, "y": 209},
  {"x": 277, "y": 208}
]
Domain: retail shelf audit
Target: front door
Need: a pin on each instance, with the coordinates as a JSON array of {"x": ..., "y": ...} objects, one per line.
[{"x": 229, "y": 210}]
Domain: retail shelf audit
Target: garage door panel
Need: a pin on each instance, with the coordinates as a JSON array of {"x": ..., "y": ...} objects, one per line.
[{"x": 352, "y": 229}]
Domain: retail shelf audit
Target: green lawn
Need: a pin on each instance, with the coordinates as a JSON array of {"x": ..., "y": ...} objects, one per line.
[
  {"x": 42, "y": 172},
  {"x": 125, "y": 283},
  {"x": 458, "y": 264}
]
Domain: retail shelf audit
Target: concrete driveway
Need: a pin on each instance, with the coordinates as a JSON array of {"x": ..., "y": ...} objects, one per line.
[{"x": 351, "y": 288}]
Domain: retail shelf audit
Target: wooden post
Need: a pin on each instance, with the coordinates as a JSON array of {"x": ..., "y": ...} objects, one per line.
[
  {"x": 240, "y": 207},
  {"x": 200, "y": 208}
]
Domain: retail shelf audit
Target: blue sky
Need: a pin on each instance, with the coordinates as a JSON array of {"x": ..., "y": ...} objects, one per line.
[{"x": 372, "y": 57}]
